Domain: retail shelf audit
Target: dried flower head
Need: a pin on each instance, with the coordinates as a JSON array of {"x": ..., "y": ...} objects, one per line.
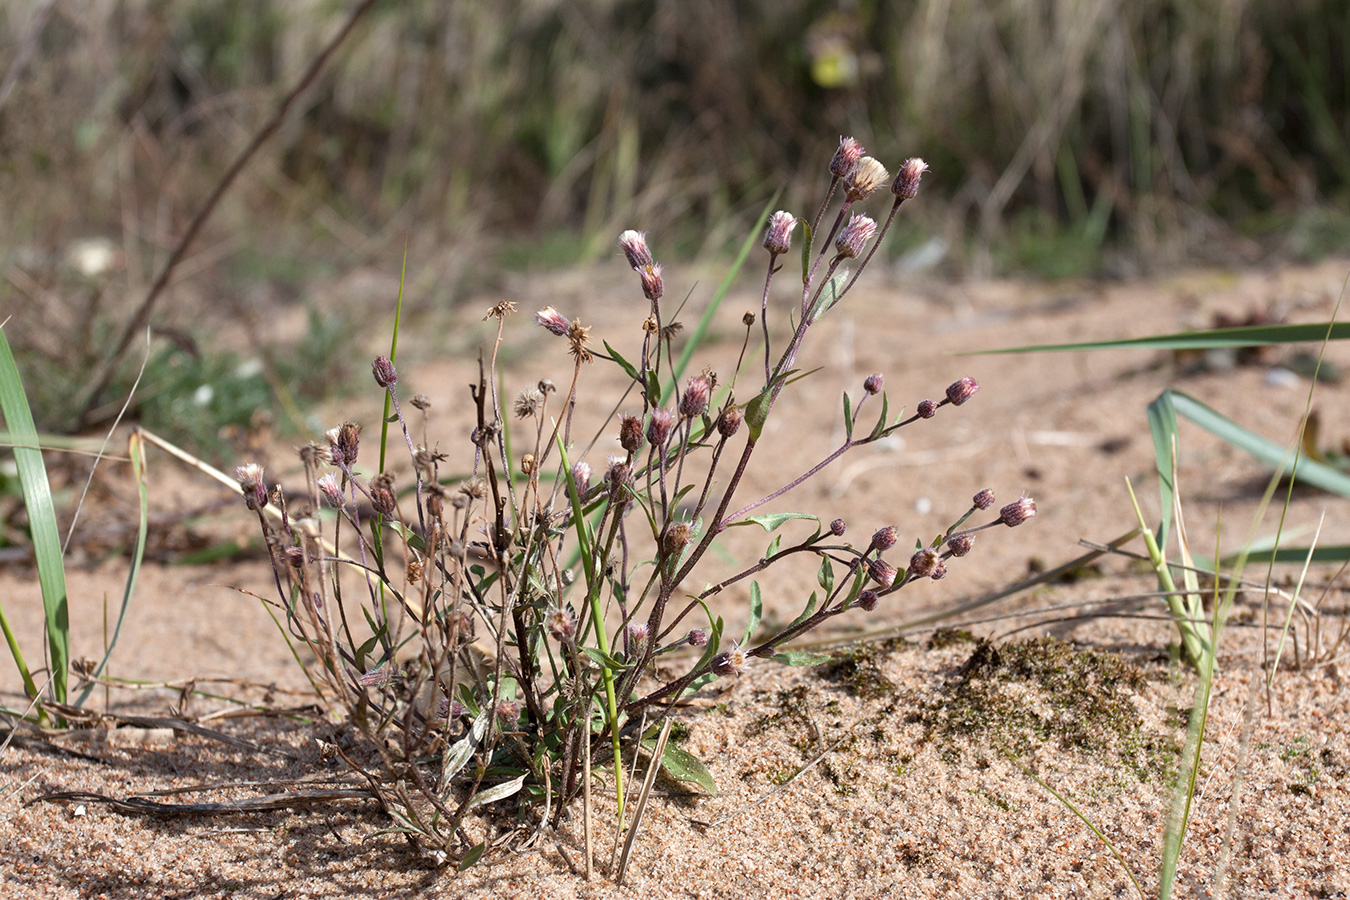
[
  {"x": 630, "y": 433},
  {"x": 343, "y": 443},
  {"x": 1017, "y": 512},
  {"x": 960, "y": 545},
  {"x": 697, "y": 391},
  {"x": 730, "y": 662},
  {"x": 500, "y": 310},
  {"x": 581, "y": 475},
  {"x": 251, "y": 482},
  {"x": 729, "y": 421},
  {"x": 846, "y": 157},
  {"x": 961, "y": 390},
  {"x": 854, "y": 236},
  {"x": 331, "y": 490},
  {"x": 384, "y": 373},
  {"x": 874, "y": 383},
  {"x": 652, "y": 285},
  {"x": 579, "y": 336},
  {"x": 778, "y": 236},
  {"x": 923, "y": 562},
  {"x": 554, "y": 321},
  {"x": 659, "y": 427},
  {"x": 885, "y": 538},
  {"x": 529, "y": 403},
  {"x": 906, "y": 183},
  {"x": 634, "y": 246},
  {"x": 421, "y": 402},
  {"x": 882, "y": 572},
  {"x": 866, "y": 177},
  {"x": 675, "y": 539},
  {"x": 561, "y": 622},
  {"x": 382, "y": 495}
]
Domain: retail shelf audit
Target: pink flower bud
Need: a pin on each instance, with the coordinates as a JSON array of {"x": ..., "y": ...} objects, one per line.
[
  {"x": 554, "y": 321},
  {"x": 882, "y": 572},
  {"x": 634, "y": 246},
  {"x": 697, "y": 390},
  {"x": 630, "y": 433},
  {"x": 926, "y": 409},
  {"x": 939, "y": 571},
  {"x": 697, "y": 637},
  {"x": 854, "y": 236},
  {"x": 868, "y": 599},
  {"x": 659, "y": 426},
  {"x": 1017, "y": 512},
  {"x": 960, "y": 545},
  {"x": 907, "y": 180},
  {"x": 332, "y": 491},
  {"x": 561, "y": 622},
  {"x": 874, "y": 383},
  {"x": 838, "y": 527},
  {"x": 652, "y": 285},
  {"x": 885, "y": 538},
  {"x": 384, "y": 372},
  {"x": 984, "y": 499},
  {"x": 846, "y": 157},
  {"x": 581, "y": 474},
  {"x": 251, "y": 482},
  {"x": 960, "y": 391},
  {"x": 778, "y": 236},
  {"x": 729, "y": 421}
]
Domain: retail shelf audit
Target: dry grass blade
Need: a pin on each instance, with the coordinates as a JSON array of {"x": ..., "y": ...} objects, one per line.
[
  {"x": 142, "y": 804},
  {"x": 641, "y": 805}
]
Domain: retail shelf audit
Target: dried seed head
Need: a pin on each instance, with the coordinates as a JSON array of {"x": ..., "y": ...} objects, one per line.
[
  {"x": 846, "y": 157},
  {"x": 630, "y": 433},
  {"x": 421, "y": 402},
  {"x": 313, "y": 455},
  {"x": 926, "y": 409},
  {"x": 697, "y": 390},
  {"x": 868, "y": 599},
  {"x": 1017, "y": 512},
  {"x": 747, "y": 319},
  {"x": 659, "y": 427},
  {"x": 671, "y": 331},
  {"x": 383, "y": 369},
  {"x": 675, "y": 539},
  {"x": 295, "y": 557},
  {"x": 500, "y": 310},
  {"x": 730, "y": 662},
  {"x": 838, "y": 527},
  {"x": 380, "y": 676},
  {"x": 634, "y": 246},
  {"x": 960, "y": 391},
  {"x": 697, "y": 637},
  {"x": 960, "y": 545},
  {"x": 382, "y": 495},
  {"x": 561, "y": 623},
  {"x": 343, "y": 443},
  {"x": 554, "y": 321},
  {"x": 474, "y": 488},
  {"x": 527, "y": 463},
  {"x": 581, "y": 475},
  {"x": 882, "y": 572},
  {"x": 529, "y": 403},
  {"x": 729, "y": 421},
  {"x": 251, "y": 482},
  {"x": 865, "y": 178},
  {"x": 652, "y": 285},
  {"x": 984, "y": 499},
  {"x": 874, "y": 383},
  {"x": 923, "y": 563},
  {"x": 331, "y": 490},
  {"x": 617, "y": 476},
  {"x": 579, "y": 336},
  {"x": 778, "y": 236},
  {"x": 906, "y": 183},
  {"x": 885, "y": 538},
  {"x": 854, "y": 236}
]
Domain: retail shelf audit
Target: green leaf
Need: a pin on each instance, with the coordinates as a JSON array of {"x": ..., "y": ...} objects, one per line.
[
  {"x": 601, "y": 658},
  {"x": 653, "y": 389},
  {"x": 828, "y": 297},
  {"x": 1309, "y": 471},
  {"x": 463, "y": 750},
  {"x": 802, "y": 658},
  {"x": 756, "y": 610},
  {"x": 623, "y": 363},
  {"x": 772, "y": 550},
  {"x": 497, "y": 792},
  {"x": 848, "y": 417},
  {"x": 1162, "y": 422},
  {"x": 878, "y": 428},
  {"x": 475, "y": 853},
  {"x": 1241, "y": 336},
  {"x": 757, "y": 411},
  {"x": 806, "y": 249},
  {"x": 772, "y": 521},
  {"x": 684, "y": 766},
  {"x": 37, "y": 499},
  {"x": 806, "y": 613},
  {"x": 825, "y": 575}
]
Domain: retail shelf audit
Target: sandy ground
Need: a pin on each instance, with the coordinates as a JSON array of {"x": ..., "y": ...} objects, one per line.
[{"x": 912, "y": 792}]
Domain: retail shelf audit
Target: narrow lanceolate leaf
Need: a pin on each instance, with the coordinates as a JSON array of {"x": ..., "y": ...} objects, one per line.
[
  {"x": 497, "y": 792},
  {"x": 848, "y": 417},
  {"x": 756, "y": 610},
  {"x": 802, "y": 658},
  {"x": 772, "y": 521},
  {"x": 37, "y": 498},
  {"x": 463, "y": 749},
  {"x": 1215, "y": 338},
  {"x": 1162, "y": 423}
]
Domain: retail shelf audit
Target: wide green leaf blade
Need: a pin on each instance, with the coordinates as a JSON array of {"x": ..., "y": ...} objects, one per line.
[{"x": 37, "y": 498}]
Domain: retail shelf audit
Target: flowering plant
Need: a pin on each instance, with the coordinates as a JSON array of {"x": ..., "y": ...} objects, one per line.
[{"x": 519, "y": 633}]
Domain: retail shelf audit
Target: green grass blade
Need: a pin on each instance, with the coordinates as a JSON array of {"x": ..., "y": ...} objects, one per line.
[
  {"x": 1162, "y": 423},
  {"x": 1215, "y": 338},
  {"x": 135, "y": 450},
  {"x": 1309, "y": 471},
  {"x": 37, "y": 498}
]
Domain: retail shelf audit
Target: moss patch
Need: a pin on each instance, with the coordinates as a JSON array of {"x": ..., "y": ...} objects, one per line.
[{"x": 1018, "y": 696}]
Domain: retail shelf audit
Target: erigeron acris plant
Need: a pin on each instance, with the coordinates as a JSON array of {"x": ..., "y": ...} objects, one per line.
[{"x": 514, "y": 642}]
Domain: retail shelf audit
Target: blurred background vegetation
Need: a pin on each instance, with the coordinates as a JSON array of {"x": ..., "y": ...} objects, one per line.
[{"x": 1066, "y": 137}]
